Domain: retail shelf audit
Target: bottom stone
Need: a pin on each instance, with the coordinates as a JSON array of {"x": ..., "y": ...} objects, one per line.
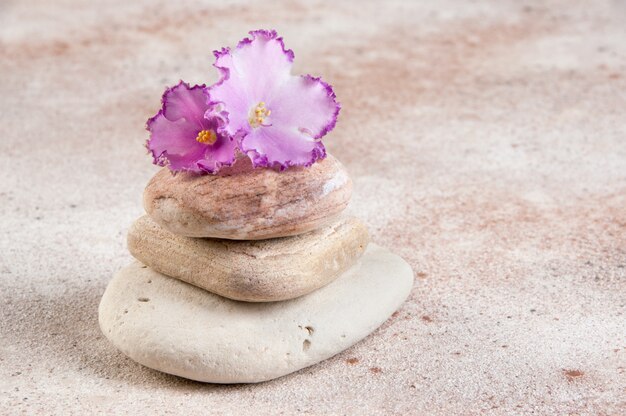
[{"x": 171, "y": 326}]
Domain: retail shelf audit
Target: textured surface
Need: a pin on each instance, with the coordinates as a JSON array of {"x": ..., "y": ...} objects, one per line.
[
  {"x": 177, "y": 328},
  {"x": 243, "y": 203},
  {"x": 486, "y": 145},
  {"x": 256, "y": 271}
]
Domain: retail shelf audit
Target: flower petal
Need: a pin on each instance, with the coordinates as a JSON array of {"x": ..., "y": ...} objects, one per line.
[
  {"x": 306, "y": 103},
  {"x": 236, "y": 103},
  {"x": 183, "y": 101},
  {"x": 279, "y": 147},
  {"x": 173, "y": 142},
  {"x": 221, "y": 153},
  {"x": 250, "y": 74}
]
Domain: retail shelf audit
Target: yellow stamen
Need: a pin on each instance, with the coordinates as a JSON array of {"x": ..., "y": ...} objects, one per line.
[
  {"x": 258, "y": 115},
  {"x": 207, "y": 136}
]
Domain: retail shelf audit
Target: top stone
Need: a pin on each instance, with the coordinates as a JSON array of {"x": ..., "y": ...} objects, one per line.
[{"x": 242, "y": 203}]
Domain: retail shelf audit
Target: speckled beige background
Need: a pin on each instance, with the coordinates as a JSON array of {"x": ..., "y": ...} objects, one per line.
[{"x": 487, "y": 143}]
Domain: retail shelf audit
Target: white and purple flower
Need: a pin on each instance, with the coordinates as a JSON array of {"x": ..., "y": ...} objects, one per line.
[
  {"x": 275, "y": 118},
  {"x": 279, "y": 118}
]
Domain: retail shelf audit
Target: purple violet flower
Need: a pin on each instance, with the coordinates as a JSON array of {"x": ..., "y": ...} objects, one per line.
[
  {"x": 279, "y": 118},
  {"x": 186, "y": 134}
]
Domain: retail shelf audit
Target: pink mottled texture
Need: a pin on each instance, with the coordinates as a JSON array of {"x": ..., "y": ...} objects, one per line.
[
  {"x": 303, "y": 108},
  {"x": 486, "y": 143}
]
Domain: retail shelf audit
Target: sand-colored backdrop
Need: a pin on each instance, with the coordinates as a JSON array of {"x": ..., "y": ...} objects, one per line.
[{"x": 487, "y": 143}]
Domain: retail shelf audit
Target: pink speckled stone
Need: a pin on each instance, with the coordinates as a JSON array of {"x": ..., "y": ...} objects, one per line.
[{"x": 243, "y": 203}]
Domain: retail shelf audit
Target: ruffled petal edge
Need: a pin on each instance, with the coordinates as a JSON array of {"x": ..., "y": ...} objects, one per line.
[
  {"x": 219, "y": 54},
  {"x": 170, "y": 90},
  {"x": 268, "y": 35},
  {"x": 261, "y": 161},
  {"x": 331, "y": 94},
  {"x": 200, "y": 166}
]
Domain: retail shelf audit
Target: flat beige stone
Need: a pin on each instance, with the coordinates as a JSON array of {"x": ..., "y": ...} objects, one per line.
[
  {"x": 249, "y": 204},
  {"x": 171, "y": 326},
  {"x": 255, "y": 271}
]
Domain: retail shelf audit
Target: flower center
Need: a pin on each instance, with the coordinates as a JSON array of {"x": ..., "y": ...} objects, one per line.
[
  {"x": 207, "y": 137},
  {"x": 258, "y": 115}
]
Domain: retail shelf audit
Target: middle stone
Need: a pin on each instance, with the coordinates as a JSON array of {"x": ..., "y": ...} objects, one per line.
[{"x": 254, "y": 271}]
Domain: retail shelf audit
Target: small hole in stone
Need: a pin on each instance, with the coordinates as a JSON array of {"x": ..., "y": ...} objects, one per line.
[
  {"x": 143, "y": 299},
  {"x": 306, "y": 345},
  {"x": 310, "y": 329},
  {"x": 125, "y": 310},
  {"x": 144, "y": 267},
  {"x": 149, "y": 281}
]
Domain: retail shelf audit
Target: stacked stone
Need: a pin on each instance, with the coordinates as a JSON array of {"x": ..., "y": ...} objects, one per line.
[{"x": 249, "y": 275}]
